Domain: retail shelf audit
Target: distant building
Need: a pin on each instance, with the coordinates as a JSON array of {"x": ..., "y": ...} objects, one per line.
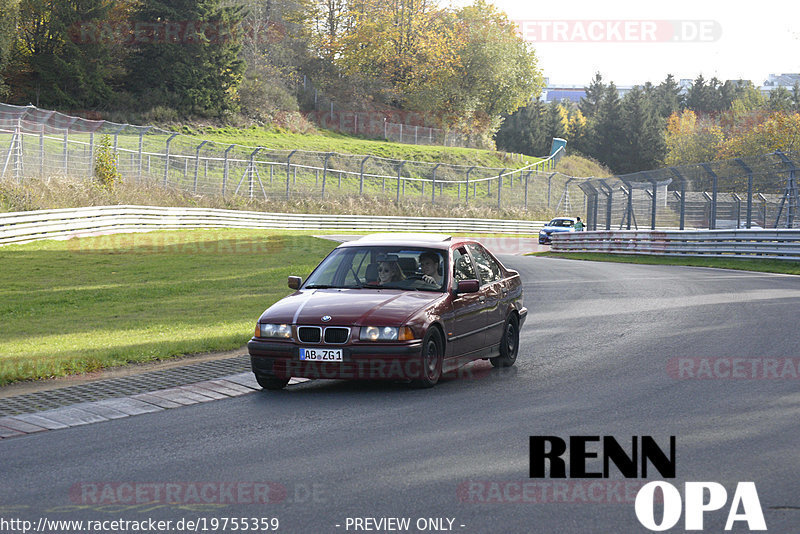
[
  {"x": 556, "y": 93},
  {"x": 779, "y": 80},
  {"x": 573, "y": 93}
]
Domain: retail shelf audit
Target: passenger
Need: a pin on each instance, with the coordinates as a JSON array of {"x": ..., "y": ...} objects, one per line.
[
  {"x": 429, "y": 263},
  {"x": 389, "y": 271}
]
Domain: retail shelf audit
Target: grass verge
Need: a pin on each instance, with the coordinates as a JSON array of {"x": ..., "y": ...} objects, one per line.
[
  {"x": 84, "y": 304},
  {"x": 759, "y": 265}
]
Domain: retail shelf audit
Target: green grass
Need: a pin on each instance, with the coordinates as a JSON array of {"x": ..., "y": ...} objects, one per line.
[
  {"x": 85, "y": 304},
  {"x": 326, "y": 141},
  {"x": 759, "y": 265}
]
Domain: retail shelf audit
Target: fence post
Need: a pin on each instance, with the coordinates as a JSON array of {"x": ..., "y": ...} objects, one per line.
[
  {"x": 288, "y": 171},
  {"x": 166, "y": 157},
  {"x": 500, "y": 188},
  {"x": 91, "y": 153},
  {"x": 527, "y": 176},
  {"x": 467, "y": 195},
  {"x": 225, "y": 169},
  {"x": 683, "y": 195},
  {"x": 399, "y": 175},
  {"x": 549, "y": 187},
  {"x": 433, "y": 184},
  {"x": 325, "y": 171},
  {"x": 361, "y": 176},
  {"x": 749, "y": 172},
  {"x": 141, "y": 146},
  {"x": 654, "y": 206},
  {"x": 197, "y": 162},
  {"x": 713, "y": 216},
  {"x": 41, "y": 152},
  {"x": 66, "y": 140},
  {"x": 251, "y": 170}
]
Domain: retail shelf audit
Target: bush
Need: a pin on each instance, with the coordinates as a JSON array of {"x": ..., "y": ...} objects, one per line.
[{"x": 105, "y": 164}]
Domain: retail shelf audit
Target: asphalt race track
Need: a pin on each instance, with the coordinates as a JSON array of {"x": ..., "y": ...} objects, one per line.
[{"x": 608, "y": 350}]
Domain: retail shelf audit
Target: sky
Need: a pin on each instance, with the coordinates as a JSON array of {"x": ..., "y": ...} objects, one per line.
[{"x": 633, "y": 42}]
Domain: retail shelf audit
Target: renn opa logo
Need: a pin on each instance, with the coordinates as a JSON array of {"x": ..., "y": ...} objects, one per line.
[{"x": 546, "y": 461}]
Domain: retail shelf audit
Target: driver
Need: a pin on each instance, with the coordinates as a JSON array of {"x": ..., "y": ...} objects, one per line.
[{"x": 429, "y": 263}]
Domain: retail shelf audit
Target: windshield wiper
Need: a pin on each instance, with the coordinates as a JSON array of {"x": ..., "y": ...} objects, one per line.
[{"x": 320, "y": 286}]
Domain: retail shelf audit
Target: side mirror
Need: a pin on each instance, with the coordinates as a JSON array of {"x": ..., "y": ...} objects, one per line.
[
  {"x": 467, "y": 286},
  {"x": 295, "y": 282}
]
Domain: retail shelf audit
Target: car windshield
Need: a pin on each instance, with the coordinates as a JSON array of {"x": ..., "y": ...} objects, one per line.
[
  {"x": 560, "y": 222},
  {"x": 395, "y": 267}
]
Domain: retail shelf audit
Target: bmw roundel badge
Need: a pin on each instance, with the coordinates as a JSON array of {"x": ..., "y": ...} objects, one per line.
[{"x": 326, "y": 318}]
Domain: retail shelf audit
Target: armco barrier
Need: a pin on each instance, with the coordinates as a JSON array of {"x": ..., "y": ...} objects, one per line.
[
  {"x": 776, "y": 244},
  {"x": 26, "y": 226}
]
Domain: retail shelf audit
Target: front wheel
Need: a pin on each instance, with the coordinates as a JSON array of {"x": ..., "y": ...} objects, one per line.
[
  {"x": 271, "y": 382},
  {"x": 509, "y": 344},
  {"x": 432, "y": 358}
]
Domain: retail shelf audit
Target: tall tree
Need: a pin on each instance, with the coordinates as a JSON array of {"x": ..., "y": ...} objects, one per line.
[
  {"x": 523, "y": 131},
  {"x": 590, "y": 103},
  {"x": 190, "y": 61},
  {"x": 58, "y": 63},
  {"x": 9, "y": 11},
  {"x": 609, "y": 144},
  {"x": 780, "y": 99},
  {"x": 668, "y": 96},
  {"x": 556, "y": 120},
  {"x": 643, "y": 132}
]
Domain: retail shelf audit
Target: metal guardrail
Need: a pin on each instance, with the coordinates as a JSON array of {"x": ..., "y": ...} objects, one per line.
[
  {"x": 19, "y": 227},
  {"x": 770, "y": 244}
]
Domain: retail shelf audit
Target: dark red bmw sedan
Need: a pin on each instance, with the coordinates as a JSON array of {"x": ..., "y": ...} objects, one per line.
[{"x": 392, "y": 307}]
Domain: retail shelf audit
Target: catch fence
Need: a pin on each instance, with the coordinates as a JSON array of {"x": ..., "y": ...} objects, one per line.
[
  {"x": 752, "y": 192},
  {"x": 36, "y": 143}
]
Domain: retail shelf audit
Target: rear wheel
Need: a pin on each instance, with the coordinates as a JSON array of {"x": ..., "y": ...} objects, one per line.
[
  {"x": 509, "y": 343},
  {"x": 271, "y": 382},
  {"x": 432, "y": 357}
]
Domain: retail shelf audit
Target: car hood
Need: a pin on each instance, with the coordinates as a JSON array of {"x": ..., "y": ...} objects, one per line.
[
  {"x": 350, "y": 306},
  {"x": 558, "y": 229}
]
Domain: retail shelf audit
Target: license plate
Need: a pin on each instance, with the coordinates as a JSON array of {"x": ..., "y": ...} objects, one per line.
[{"x": 321, "y": 355}]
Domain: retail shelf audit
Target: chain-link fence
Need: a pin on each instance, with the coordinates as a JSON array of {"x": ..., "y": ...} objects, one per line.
[
  {"x": 751, "y": 192},
  {"x": 40, "y": 143}
]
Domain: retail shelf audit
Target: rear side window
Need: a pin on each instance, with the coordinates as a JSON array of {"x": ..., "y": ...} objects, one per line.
[
  {"x": 486, "y": 265},
  {"x": 462, "y": 266}
]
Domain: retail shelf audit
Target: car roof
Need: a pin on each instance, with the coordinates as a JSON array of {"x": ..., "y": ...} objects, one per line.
[
  {"x": 573, "y": 219},
  {"x": 410, "y": 239}
]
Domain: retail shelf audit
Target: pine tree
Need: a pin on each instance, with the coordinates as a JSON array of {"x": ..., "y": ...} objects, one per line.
[
  {"x": 668, "y": 97},
  {"x": 609, "y": 143},
  {"x": 58, "y": 63},
  {"x": 644, "y": 133},
  {"x": 590, "y": 103},
  {"x": 190, "y": 62}
]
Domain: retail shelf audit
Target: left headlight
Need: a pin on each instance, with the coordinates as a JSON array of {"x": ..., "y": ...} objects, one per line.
[
  {"x": 386, "y": 333},
  {"x": 283, "y": 331}
]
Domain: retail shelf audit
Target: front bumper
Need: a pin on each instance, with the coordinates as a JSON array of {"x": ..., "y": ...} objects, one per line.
[{"x": 371, "y": 362}]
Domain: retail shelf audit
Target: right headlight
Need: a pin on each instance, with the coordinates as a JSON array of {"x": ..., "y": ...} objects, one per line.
[{"x": 283, "y": 331}]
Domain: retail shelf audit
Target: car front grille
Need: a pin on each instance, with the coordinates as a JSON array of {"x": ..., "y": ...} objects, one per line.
[
  {"x": 309, "y": 334},
  {"x": 335, "y": 334}
]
